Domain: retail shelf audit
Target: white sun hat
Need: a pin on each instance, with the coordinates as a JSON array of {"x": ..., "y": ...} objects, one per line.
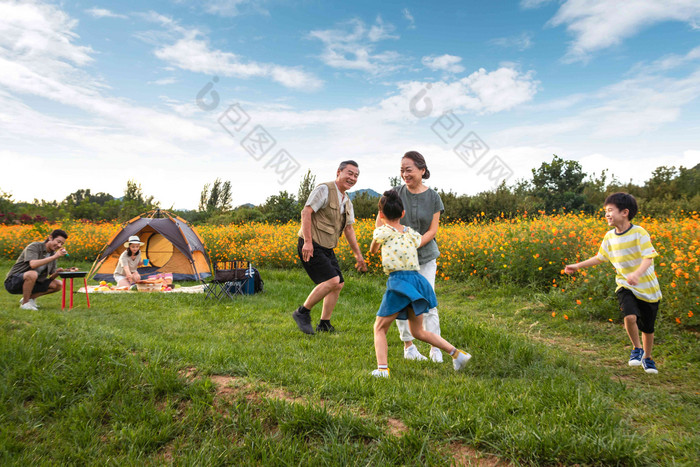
[{"x": 133, "y": 239}]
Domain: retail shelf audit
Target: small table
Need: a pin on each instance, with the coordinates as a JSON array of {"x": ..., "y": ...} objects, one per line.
[{"x": 71, "y": 275}]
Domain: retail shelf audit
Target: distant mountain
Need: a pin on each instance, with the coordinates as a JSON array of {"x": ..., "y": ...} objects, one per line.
[{"x": 369, "y": 191}]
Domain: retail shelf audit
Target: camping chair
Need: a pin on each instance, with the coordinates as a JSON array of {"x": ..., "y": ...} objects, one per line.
[{"x": 230, "y": 278}]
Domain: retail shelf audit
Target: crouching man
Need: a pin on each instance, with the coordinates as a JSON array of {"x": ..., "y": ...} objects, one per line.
[{"x": 34, "y": 272}]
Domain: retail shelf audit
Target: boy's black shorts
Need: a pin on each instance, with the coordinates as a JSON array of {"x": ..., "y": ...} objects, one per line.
[
  {"x": 15, "y": 283},
  {"x": 323, "y": 265},
  {"x": 644, "y": 311}
]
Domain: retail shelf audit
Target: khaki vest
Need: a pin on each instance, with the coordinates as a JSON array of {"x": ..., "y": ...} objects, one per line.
[{"x": 327, "y": 223}]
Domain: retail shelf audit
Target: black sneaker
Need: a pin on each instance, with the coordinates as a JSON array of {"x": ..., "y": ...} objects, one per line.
[
  {"x": 325, "y": 327},
  {"x": 303, "y": 321}
]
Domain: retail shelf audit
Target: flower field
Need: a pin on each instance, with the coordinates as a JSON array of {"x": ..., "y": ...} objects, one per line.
[{"x": 527, "y": 251}]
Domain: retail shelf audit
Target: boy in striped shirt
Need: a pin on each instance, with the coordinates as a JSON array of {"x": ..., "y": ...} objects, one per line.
[{"x": 629, "y": 249}]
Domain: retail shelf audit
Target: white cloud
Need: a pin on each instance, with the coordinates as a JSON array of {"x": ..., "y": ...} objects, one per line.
[
  {"x": 599, "y": 24},
  {"x": 527, "y": 4},
  {"x": 409, "y": 17},
  {"x": 351, "y": 47},
  {"x": 629, "y": 108},
  {"x": 448, "y": 63},
  {"x": 501, "y": 89},
  {"x": 103, "y": 13},
  {"x": 481, "y": 92},
  {"x": 39, "y": 57},
  {"x": 521, "y": 42},
  {"x": 191, "y": 51},
  {"x": 380, "y": 31},
  {"x": 193, "y": 54},
  {"x": 42, "y": 34},
  {"x": 640, "y": 105},
  {"x": 668, "y": 62},
  {"x": 565, "y": 102},
  {"x": 163, "y": 81},
  {"x": 228, "y": 8}
]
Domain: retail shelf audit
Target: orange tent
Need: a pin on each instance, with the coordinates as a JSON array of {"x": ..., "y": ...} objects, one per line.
[{"x": 171, "y": 246}]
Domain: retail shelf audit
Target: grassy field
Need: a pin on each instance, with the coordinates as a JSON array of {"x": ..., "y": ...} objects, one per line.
[{"x": 173, "y": 378}]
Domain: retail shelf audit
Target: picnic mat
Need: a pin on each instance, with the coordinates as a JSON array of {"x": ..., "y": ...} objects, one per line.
[{"x": 93, "y": 289}]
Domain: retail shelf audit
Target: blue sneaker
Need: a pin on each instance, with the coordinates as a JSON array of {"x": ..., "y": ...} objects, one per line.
[
  {"x": 649, "y": 366},
  {"x": 636, "y": 357}
]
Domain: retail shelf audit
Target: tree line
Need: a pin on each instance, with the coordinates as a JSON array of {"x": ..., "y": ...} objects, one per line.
[{"x": 558, "y": 185}]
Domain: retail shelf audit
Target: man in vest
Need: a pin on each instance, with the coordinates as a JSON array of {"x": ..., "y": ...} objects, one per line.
[{"x": 328, "y": 214}]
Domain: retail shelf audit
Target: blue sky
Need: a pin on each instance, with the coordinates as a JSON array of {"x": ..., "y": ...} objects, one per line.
[{"x": 177, "y": 93}]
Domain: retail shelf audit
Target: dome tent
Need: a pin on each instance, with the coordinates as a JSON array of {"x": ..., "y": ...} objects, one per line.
[{"x": 171, "y": 246}]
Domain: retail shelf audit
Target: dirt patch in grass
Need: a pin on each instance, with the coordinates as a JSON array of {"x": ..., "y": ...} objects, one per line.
[
  {"x": 188, "y": 373},
  {"x": 467, "y": 455},
  {"x": 396, "y": 427},
  {"x": 18, "y": 323},
  {"x": 167, "y": 452},
  {"x": 280, "y": 394},
  {"x": 229, "y": 387}
]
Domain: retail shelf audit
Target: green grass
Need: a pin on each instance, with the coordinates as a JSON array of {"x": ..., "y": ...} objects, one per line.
[{"x": 133, "y": 380}]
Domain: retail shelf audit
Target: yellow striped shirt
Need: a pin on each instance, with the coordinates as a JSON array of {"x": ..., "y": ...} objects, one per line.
[{"x": 626, "y": 251}]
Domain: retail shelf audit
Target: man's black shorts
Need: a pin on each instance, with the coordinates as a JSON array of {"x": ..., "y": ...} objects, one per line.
[
  {"x": 644, "y": 311},
  {"x": 15, "y": 282},
  {"x": 323, "y": 265}
]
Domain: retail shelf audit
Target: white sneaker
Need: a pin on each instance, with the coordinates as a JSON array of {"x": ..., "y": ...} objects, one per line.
[
  {"x": 435, "y": 355},
  {"x": 28, "y": 306},
  {"x": 31, "y": 300},
  {"x": 461, "y": 360},
  {"x": 381, "y": 373},
  {"x": 412, "y": 353}
]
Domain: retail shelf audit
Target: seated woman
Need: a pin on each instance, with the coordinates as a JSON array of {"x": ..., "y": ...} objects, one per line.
[{"x": 125, "y": 274}]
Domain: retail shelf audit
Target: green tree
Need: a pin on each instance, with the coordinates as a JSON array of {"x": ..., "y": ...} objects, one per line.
[
  {"x": 134, "y": 201},
  {"x": 78, "y": 196},
  {"x": 216, "y": 200},
  {"x": 82, "y": 204},
  {"x": 688, "y": 181},
  {"x": 559, "y": 184},
  {"x": 306, "y": 186},
  {"x": 662, "y": 183},
  {"x": 281, "y": 208},
  {"x": 245, "y": 214},
  {"x": 498, "y": 203},
  {"x": 596, "y": 189},
  {"x": 454, "y": 205},
  {"x": 6, "y": 203},
  {"x": 365, "y": 205},
  {"x": 110, "y": 210}
]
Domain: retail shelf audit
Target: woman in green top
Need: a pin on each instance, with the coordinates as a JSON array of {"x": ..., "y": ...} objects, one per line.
[{"x": 423, "y": 208}]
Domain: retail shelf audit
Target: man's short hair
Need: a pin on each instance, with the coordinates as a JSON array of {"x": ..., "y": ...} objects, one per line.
[
  {"x": 623, "y": 201},
  {"x": 346, "y": 163},
  {"x": 58, "y": 233}
]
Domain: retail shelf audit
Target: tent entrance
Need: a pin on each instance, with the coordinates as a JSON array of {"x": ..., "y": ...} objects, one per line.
[{"x": 158, "y": 250}]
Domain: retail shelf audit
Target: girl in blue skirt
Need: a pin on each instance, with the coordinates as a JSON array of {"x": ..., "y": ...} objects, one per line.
[{"x": 408, "y": 294}]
